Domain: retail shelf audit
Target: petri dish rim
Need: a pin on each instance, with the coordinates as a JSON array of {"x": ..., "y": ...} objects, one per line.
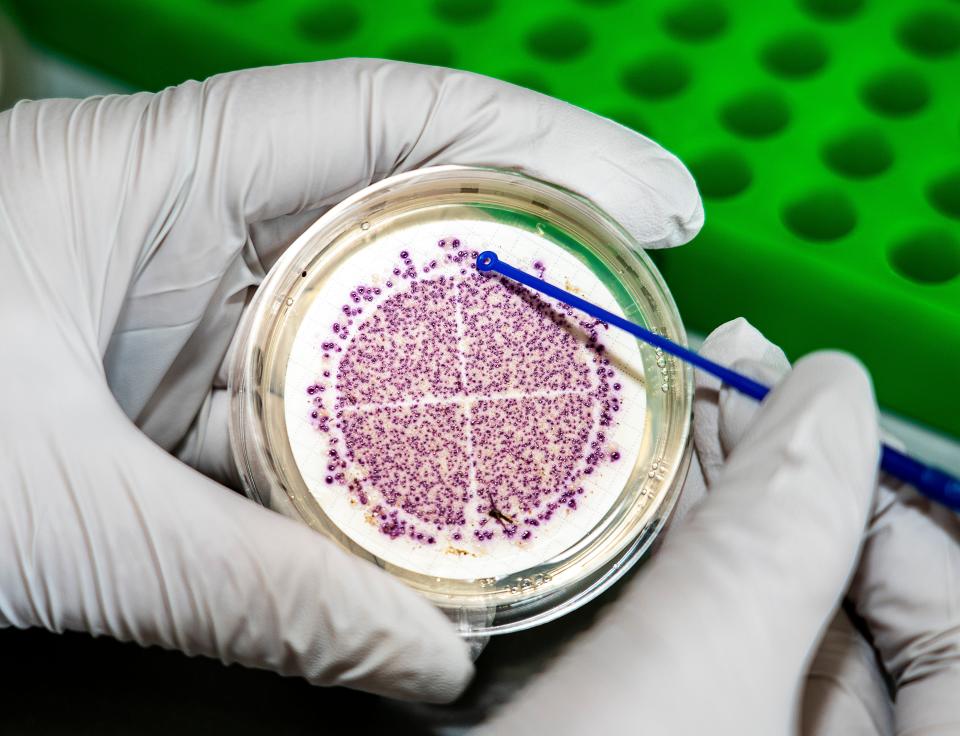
[{"x": 529, "y": 597}]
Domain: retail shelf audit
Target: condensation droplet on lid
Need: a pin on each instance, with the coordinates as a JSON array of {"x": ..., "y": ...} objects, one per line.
[
  {"x": 289, "y": 302},
  {"x": 364, "y": 225}
]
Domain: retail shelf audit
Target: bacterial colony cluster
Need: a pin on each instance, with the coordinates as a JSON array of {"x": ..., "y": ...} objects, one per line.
[{"x": 457, "y": 409}]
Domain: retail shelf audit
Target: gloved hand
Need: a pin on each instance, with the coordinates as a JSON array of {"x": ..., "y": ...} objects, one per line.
[
  {"x": 719, "y": 633},
  {"x": 905, "y": 592},
  {"x": 132, "y": 231}
]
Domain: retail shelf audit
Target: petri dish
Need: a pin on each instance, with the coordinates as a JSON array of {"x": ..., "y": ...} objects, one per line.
[{"x": 498, "y": 452}]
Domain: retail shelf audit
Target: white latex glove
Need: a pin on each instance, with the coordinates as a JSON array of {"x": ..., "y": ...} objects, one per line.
[
  {"x": 717, "y": 634},
  {"x": 132, "y": 230},
  {"x": 906, "y": 589},
  {"x": 907, "y": 592}
]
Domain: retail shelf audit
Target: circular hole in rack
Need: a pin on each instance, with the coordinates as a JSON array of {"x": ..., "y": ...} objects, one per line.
[
  {"x": 432, "y": 50},
  {"x": 832, "y": 10},
  {"x": 559, "y": 40},
  {"x": 696, "y": 21},
  {"x": 859, "y": 153},
  {"x": 758, "y": 114},
  {"x": 657, "y": 77},
  {"x": 721, "y": 174},
  {"x": 463, "y": 11},
  {"x": 927, "y": 257},
  {"x": 795, "y": 55},
  {"x": 896, "y": 93},
  {"x": 631, "y": 119},
  {"x": 930, "y": 33},
  {"x": 944, "y": 194},
  {"x": 528, "y": 79},
  {"x": 821, "y": 216},
  {"x": 330, "y": 23}
]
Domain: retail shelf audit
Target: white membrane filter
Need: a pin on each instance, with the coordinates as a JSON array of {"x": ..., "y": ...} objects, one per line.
[{"x": 453, "y": 423}]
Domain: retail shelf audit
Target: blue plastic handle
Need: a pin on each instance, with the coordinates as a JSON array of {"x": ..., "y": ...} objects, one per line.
[{"x": 932, "y": 482}]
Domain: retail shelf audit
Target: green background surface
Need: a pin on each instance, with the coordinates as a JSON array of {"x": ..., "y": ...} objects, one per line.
[{"x": 824, "y": 134}]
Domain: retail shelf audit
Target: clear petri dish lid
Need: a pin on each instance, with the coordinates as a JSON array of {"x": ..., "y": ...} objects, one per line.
[{"x": 500, "y": 453}]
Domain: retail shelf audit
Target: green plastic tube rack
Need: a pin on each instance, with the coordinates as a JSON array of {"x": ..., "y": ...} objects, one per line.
[{"x": 824, "y": 134}]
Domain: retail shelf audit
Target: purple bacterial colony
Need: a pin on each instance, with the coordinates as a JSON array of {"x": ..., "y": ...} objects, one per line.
[{"x": 462, "y": 403}]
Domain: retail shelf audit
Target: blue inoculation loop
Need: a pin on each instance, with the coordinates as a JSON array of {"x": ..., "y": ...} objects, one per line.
[
  {"x": 488, "y": 261},
  {"x": 930, "y": 481}
]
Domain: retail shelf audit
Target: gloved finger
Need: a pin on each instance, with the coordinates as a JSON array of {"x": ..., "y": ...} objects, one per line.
[
  {"x": 844, "y": 692},
  {"x": 736, "y": 410},
  {"x": 907, "y": 590},
  {"x": 303, "y": 137},
  {"x": 206, "y": 446},
  {"x": 270, "y": 238},
  {"x": 911, "y": 608},
  {"x": 721, "y": 418},
  {"x": 206, "y": 160},
  {"x": 127, "y": 541},
  {"x": 719, "y": 415},
  {"x": 195, "y": 185},
  {"x": 735, "y": 601}
]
